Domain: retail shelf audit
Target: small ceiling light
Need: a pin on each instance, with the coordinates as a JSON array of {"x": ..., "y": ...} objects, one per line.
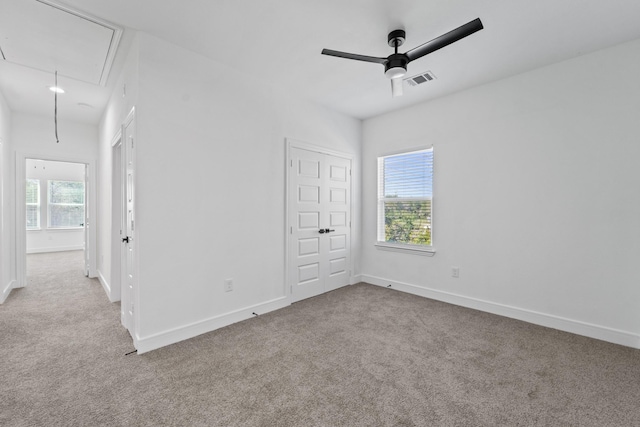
[{"x": 56, "y": 89}]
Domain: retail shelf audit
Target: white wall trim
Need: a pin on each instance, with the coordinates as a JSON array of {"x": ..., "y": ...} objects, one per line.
[
  {"x": 5, "y": 293},
  {"x": 55, "y": 249},
  {"x": 172, "y": 336},
  {"x": 105, "y": 285},
  {"x": 114, "y": 222},
  {"x": 356, "y": 278},
  {"x": 294, "y": 143},
  {"x": 590, "y": 330},
  {"x": 21, "y": 227}
]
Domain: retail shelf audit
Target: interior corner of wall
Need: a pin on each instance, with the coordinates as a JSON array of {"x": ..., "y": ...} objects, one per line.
[{"x": 7, "y": 290}]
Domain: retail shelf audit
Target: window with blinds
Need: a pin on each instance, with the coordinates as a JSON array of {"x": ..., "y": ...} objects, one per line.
[
  {"x": 33, "y": 204},
  {"x": 405, "y": 190},
  {"x": 65, "y": 204}
]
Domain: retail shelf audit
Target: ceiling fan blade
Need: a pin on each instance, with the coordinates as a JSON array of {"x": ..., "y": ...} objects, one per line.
[
  {"x": 445, "y": 39},
  {"x": 353, "y": 56},
  {"x": 396, "y": 87}
]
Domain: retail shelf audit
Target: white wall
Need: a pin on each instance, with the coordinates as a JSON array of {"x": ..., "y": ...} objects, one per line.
[
  {"x": 47, "y": 239},
  {"x": 536, "y": 196},
  {"x": 122, "y": 100},
  {"x": 34, "y": 136},
  {"x": 7, "y": 202},
  {"x": 211, "y": 189}
]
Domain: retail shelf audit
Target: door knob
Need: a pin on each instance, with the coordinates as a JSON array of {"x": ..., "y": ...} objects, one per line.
[
  {"x": 125, "y": 239},
  {"x": 325, "y": 230}
]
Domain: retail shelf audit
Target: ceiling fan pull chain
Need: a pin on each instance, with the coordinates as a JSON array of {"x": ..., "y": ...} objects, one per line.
[{"x": 55, "y": 109}]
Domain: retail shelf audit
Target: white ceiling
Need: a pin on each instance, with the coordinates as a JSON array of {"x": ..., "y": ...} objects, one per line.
[
  {"x": 42, "y": 35},
  {"x": 280, "y": 41}
]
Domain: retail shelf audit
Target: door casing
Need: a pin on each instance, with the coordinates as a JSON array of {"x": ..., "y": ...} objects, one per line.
[
  {"x": 116, "y": 218},
  {"x": 21, "y": 221}
]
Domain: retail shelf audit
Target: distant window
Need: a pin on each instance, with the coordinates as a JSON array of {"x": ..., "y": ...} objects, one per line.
[
  {"x": 33, "y": 204},
  {"x": 65, "y": 204},
  {"x": 405, "y": 189}
]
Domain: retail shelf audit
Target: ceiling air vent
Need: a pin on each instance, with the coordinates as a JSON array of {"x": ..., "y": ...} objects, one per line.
[{"x": 427, "y": 76}]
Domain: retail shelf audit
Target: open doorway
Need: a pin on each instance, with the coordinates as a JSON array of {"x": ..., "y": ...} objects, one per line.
[
  {"x": 55, "y": 205},
  {"x": 55, "y": 215}
]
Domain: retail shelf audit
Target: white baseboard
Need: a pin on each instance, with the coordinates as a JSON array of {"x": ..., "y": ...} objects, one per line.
[
  {"x": 356, "y": 279},
  {"x": 55, "y": 249},
  {"x": 577, "y": 327},
  {"x": 153, "y": 342},
  {"x": 7, "y": 290},
  {"x": 105, "y": 285}
]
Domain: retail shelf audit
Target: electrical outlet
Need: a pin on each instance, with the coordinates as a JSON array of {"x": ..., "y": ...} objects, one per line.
[
  {"x": 455, "y": 272},
  {"x": 228, "y": 285}
]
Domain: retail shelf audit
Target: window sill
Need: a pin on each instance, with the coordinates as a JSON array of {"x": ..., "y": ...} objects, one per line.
[
  {"x": 415, "y": 250},
  {"x": 34, "y": 229},
  {"x": 54, "y": 229}
]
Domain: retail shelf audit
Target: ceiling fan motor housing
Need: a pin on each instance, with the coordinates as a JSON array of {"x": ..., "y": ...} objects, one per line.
[{"x": 395, "y": 65}]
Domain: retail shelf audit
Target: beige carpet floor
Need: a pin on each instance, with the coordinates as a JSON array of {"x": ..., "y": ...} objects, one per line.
[{"x": 358, "y": 356}]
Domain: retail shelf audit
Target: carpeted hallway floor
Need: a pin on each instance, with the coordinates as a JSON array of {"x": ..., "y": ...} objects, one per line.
[{"x": 358, "y": 356}]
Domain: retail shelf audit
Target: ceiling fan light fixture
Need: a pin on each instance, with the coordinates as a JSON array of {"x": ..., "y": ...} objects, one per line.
[
  {"x": 395, "y": 72},
  {"x": 56, "y": 89},
  {"x": 396, "y": 66}
]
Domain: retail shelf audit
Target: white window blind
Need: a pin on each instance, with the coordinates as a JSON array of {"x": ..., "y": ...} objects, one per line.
[
  {"x": 66, "y": 204},
  {"x": 33, "y": 204},
  {"x": 405, "y": 190}
]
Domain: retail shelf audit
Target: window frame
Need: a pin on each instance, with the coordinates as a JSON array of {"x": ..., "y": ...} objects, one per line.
[
  {"x": 38, "y": 205},
  {"x": 50, "y": 204},
  {"x": 418, "y": 249}
]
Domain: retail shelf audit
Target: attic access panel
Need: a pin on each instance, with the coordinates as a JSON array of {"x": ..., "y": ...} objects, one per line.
[{"x": 47, "y": 36}]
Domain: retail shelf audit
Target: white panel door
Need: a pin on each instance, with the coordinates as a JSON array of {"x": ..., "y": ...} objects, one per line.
[
  {"x": 128, "y": 240},
  {"x": 338, "y": 219},
  {"x": 319, "y": 218}
]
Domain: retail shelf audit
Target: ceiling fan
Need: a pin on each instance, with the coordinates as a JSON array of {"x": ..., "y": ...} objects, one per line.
[{"x": 395, "y": 65}]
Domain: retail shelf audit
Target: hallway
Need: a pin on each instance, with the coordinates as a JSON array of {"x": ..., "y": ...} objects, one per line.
[{"x": 55, "y": 333}]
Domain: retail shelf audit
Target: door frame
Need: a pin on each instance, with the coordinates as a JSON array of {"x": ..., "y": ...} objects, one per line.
[
  {"x": 115, "y": 291},
  {"x": 290, "y": 144},
  {"x": 21, "y": 220}
]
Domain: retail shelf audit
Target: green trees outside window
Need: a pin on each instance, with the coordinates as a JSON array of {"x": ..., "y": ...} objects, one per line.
[
  {"x": 66, "y": 204},
  {"x": 408, "y": 222},
  {"x": 33, "y": 204},
  {"x": 405, "y": 189}
]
